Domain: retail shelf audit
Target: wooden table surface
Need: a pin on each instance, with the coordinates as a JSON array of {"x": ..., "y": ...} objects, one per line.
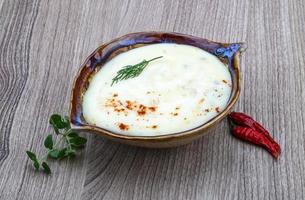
[{"x": 43, "y": 43}]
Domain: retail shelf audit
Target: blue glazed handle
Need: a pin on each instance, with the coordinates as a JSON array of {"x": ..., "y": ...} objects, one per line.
[{"x": 227, "y": 52}]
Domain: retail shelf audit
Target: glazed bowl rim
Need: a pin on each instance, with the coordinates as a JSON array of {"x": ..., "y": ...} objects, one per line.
[{"x": 164, "y": 137}]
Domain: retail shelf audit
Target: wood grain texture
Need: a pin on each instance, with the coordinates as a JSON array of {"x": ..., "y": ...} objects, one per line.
[{"x": 42, "y": 44}]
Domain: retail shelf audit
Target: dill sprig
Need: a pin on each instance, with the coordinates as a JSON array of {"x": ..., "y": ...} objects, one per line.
[{"x": 131, "y": 71}]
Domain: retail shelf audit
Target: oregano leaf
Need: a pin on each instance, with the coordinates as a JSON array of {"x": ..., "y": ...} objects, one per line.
[
  {"x": 34, "y": 159},
  {"x": 62, "y": 153},
  {"x": 36, "y": 164},
  {"x": 78, "y": 141},
  {"x": 31, "y": 155},
  {"x": 48, "y": 142},
  {"x": 46, "y": 168},
  {"x": 54, "y": 153},
  {"x": 73, "y": 134},
  {"x": 58, "y": 122},
  {"x": 67, "y": 122}
]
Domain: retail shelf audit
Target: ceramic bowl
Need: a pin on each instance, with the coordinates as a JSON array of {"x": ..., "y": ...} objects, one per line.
[{"x": 226, "y": 52}]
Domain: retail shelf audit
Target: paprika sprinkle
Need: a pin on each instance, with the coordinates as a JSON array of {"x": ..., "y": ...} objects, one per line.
[{"x": 249, "y": 130}]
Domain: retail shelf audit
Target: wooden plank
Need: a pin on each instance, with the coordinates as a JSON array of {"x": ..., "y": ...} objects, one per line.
[{"x": 44, "y": 42}]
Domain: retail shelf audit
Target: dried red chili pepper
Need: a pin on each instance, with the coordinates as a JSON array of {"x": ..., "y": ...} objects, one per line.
[
  {"x": 253, "y": 136},
  {"x": 245, "y": 120}
]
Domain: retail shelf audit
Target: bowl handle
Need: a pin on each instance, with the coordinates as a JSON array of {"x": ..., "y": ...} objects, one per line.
[{"x": 229, "y": 51}]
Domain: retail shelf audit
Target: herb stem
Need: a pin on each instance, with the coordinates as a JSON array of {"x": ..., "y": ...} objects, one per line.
[
  {"x": 69, "y": 144},
  {"x": 155, "y": 58},
  {"x": 44, "y": 157},
  {"x": 56, "y": 145},
  {"x": 132, "y": 71}
]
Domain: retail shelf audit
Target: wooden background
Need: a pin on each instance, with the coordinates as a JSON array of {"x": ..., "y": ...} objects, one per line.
[{"x": 43, "y": 43}]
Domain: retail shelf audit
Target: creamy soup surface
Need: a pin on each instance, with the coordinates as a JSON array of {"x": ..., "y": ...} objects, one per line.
[{"x": 180, "y": 91}]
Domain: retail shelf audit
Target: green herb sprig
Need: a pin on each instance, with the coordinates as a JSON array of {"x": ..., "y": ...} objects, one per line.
[
  {"x": 64, "y": 145},
  {"x": 131, "y": 71}
]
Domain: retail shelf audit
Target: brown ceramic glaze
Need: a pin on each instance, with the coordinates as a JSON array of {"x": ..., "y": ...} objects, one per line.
[{"x": 227, "y": 53}]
